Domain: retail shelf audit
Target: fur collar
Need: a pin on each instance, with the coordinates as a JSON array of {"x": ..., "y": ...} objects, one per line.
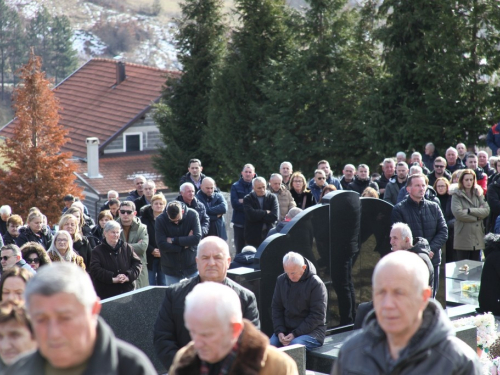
[{"x": 249, "y": 361}]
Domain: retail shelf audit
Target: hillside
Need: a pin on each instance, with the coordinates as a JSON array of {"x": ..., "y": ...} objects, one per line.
[{"x": 127, "y": 29}]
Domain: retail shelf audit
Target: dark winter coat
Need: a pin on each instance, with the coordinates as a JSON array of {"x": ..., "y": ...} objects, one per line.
[
  {"x": 8, "y": 239},
  {"x": 178, "y": 257},
  {"x": 434, "y": 349},
  {"x": 245, "y": 259},
  {"x": 458, "y": 165},
  {"x": 148, "y": 219},
  {"x": 44, "y": 238},
  {"x": 493, "y": 139},
  {"x": 489, "y": 293},
  {"x": 202, "y": 214},
  {"x": 300, "y": 307},
  {"x": 111, "y": 356},
  {"x": 430, "y": 194},
  {"x": 170, "y": 334},
  {"x": 493, "y": 197},
  {"x": 426, "y": 220},
  {"x": 428, "y": 160},
  {"x": 359, "y": 185},
  {"x": 97, "y": 234},
  {"x": 239, "y": 190},
  {"x": 132, "y": 196},
  {"x": 392, "y": 190},
  {"x": 83, "y": 248},
  {"x": 216, "y": 208},
  {"x": 422, "y": 249},
  {"x": 432, "y": 177},
  {"x": 344, "y": 183},
  {"x": 140, "y": 203},
  {"x": 187, "y": 178},
  {"x": 108, "y": 262},
  {"x": 257, "y": 221},
  {"x": 303, "y": 200},
  {"x": 382, "y": 182}
]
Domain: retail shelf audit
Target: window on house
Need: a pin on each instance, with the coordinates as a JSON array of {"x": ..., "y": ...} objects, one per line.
[{"x": 132, "y": 142}]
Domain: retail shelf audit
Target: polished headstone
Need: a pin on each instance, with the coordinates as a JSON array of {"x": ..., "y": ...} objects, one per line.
[
  {"x": 307, "y": 234},
  {"x": 132, "y": 317},
  {"x": 343, "y": 226}
]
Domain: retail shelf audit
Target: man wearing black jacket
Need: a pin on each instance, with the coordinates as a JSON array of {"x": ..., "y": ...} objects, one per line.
[
  {"x": 178, "y": 233},
  {"x": 261, "y": 212},
  {"x": 212, "y": 261}
]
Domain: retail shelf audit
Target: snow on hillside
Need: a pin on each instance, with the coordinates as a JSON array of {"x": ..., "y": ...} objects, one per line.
[{"x": 158, "y": 50}]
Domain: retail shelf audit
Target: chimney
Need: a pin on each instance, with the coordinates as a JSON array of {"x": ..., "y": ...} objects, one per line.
[
  {"x": 120, "y": 72},
  {"x": 93, "y": 158}
]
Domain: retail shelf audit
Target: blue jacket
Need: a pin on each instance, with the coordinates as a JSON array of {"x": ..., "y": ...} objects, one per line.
[
  {"x": 493, "y": 139},
  {"x": 238, "y": 191},
  {"x": 426, "y": 220},
  {"x": 316, "y": 190},
  {"x": 215, "y": 205}
]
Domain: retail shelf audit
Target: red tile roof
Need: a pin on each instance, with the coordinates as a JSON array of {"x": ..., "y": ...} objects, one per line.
[
  {"x": 119, "y": 171},
  {"x": 94, "y": 106}
]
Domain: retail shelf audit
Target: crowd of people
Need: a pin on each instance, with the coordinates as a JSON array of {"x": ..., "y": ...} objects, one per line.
[{"x": 439, "y": 203}]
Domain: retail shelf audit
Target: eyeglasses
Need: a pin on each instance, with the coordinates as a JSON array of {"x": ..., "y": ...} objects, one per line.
[
  {"x": 33, "y": 260},
  {"x": 439, "y": 166},
  {"x": 320, "y": 178},
  {"x": 62, "y": 240},
  {"x": 6, "y": 258},
  {"x": 125, "y": 212}
]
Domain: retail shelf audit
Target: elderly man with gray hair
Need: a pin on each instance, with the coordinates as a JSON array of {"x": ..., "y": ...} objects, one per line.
[
  {"x": 407, "y": 332},
  {"x": 187, "y": 196},
  {"x": 64, "y": 312},
  {"x": 261, "y": 212},
  {"x": 222, "y": 341},
  {"x": 299, "y": 304}
]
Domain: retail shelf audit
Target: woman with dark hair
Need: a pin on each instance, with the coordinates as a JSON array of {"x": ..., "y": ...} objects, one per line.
[
  {"x": 114, "y": 266},
  {"x": 327, "y": 189},
  {"x": 148, "y": 218},
  {"x": 35, "y": 231},
  {"x": 102, "y": 219},
  {"x": 469, "y": 208},
  {"x": 302, "y": 196},
  {"x": 16, "y": 334},
  {"x": 35, "y": 255},
  {"x": 13, "y": 284},
  {"x": 442, "y": 185},
  {"x": 61, "y": 249}
]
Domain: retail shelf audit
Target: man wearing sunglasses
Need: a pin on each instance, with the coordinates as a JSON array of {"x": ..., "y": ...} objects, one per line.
[
  {"x": 12, "y": 256},
  {"x": 319, "y": 182},
  {"x": 135, "y": 234},
  {"x": 439, "y": 171}
]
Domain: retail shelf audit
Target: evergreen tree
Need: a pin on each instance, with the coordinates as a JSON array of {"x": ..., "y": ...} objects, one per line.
[
  {"x": 314, "y": 95},
  {"x": 63, "y": 56},
  {"x": 182, "y": 113},
  {"x": 438, "y": 56},
  {"x": 39, "y": 36},
  {"x": 9, "y": 24},
  {"x": 235, "y": 122},
  {"x": 39, "y": 174}
]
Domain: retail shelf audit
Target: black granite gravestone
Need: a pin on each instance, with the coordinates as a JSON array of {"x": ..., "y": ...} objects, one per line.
[{"x": 344, "y": 236}]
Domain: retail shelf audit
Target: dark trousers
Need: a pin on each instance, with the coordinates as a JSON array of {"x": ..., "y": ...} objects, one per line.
[
  {"x": 344, "y": 287},
  {"x": 239, "y": 238},
  {"x": 468, "y": 255},
  {"x": 436, "y": 281}
]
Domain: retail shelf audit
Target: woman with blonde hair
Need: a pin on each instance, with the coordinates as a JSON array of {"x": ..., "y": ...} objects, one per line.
[
  {"x": 302, "y": 196},
  {"x": 85, "y": 229},
  {"x": 35, "y": 231},
  {"x": 79, "y": 243},
  {"x": 469, "y": 208},
  {"x": 62, "y": 250}
]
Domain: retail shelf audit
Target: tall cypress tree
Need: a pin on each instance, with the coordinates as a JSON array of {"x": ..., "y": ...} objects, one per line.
[
  {"x": 437, "y": 57},
  {"x": 235, "y": 124},
  {"x": 9, "y": 25},
  {"x": 63, "y": 57},
  {"x": 315, "y": 94},
  {"x": 182, "y": 113}
]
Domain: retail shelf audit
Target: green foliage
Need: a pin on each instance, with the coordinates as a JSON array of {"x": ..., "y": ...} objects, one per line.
[
  {"x": 438, "y": 57},
  {"x": 235, "y": 122},
  {"x": 9, "y": 29},
  {"x": 182, "y": 113}
]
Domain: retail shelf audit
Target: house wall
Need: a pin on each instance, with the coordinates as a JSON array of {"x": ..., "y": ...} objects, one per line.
[{"x": 151, "y": 137}]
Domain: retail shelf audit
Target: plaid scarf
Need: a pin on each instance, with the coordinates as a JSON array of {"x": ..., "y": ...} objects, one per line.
[{"x": 226, "y": 365}]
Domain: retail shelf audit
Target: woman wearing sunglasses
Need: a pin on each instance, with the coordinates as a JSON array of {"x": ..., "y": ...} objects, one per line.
[{"x": 35, "y": 255}]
